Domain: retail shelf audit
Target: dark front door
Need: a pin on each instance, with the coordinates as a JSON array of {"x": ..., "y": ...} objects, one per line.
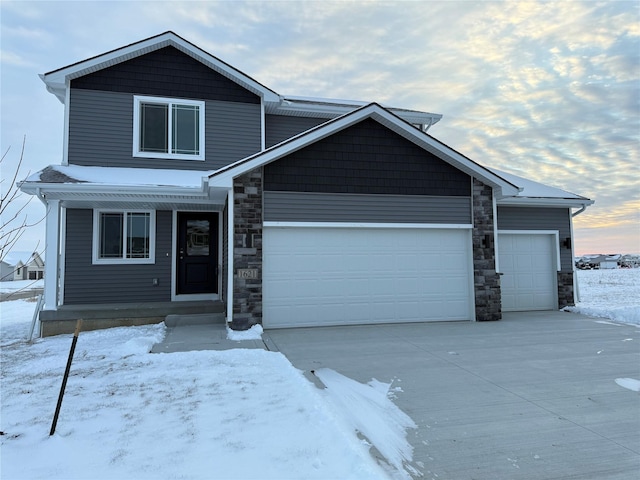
[{"x": 197, "y": 253}]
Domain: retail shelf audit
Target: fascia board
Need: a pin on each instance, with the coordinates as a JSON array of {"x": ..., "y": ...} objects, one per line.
[
  {"x": 56, "y": 79},
  {"x": 224, "y": 177},
  {"x": 545, "y": 202},
  {"x": 444, "y": 152},
  {"x": 35, "y": 188},
  {"x": 332, "y": 111}
]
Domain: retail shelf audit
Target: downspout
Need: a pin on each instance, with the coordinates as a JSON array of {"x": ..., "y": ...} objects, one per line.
[
  {"x": 426, "y": 128},
  {"x": 573, "y": 262},
  {"x": 584, "y": 207}
]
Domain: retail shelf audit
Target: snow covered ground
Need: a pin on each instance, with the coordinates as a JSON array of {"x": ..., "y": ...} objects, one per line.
[
  {"x": 20, "y": 285},
  {"x": 612, "y": 294},
  {"x": 236, "y": 414}
]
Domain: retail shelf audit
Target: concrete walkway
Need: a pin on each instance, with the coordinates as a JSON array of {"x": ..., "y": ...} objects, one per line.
[
  {"x": 188, "y": 337},
  {"x": 532, "y": 396}
]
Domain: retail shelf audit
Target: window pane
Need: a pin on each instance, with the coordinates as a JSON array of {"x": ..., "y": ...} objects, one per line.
[
  {"x": 154, "y": 121},
  {"x": 186, "y": 129},
  {"x": 197, "y": 238},
  {"x": 138, "y": 235},
  {"x": 111, "y": 235}
]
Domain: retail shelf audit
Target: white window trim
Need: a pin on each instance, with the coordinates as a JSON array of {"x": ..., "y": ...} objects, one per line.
[
  {"x": 96, "y": 260},
  {"x": 137, "y": 100}
]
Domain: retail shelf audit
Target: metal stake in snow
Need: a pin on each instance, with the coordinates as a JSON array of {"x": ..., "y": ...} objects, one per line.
[{"x": 66, "y": 375}]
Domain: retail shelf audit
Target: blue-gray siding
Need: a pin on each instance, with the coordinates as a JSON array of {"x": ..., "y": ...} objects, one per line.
[
  {"x": 101, "y": 132},
  {"x": 540, "y": 218},
  {"x": 336, "y": 207},
  {"x": 366, "y": 158},
  {"x": 280, "y": 127},
  {"x": 91, "y": 284}
]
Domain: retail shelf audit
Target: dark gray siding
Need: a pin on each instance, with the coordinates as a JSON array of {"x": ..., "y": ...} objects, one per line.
[
  {"x": 166, "y": 72},
  {"x": 334, "y": 207},
  {"x": 540, "y": 218},
  {"x": 101, "y": 133},
  {"x": 280, "y": 127},
  {"x": 366, "y": 158},
  {"x": 90, "y": 284}
]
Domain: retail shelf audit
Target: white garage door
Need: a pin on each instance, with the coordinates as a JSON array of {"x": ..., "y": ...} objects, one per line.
[
  {"x": 528, "y": 264},
  {"x": 341, "y": 276}
]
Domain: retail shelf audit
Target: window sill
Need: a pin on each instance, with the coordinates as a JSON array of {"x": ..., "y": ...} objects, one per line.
[
  {"x": 124, "y": 261},
  {"x": 168, "y": 156}
]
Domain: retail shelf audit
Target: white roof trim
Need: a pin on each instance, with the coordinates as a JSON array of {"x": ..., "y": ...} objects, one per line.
[
  {"x": 538, "y": 194},
  {"x": 332, "y": 108},
  {"x": 56, "y": 79},
  {"x": 224, "y": 177}
]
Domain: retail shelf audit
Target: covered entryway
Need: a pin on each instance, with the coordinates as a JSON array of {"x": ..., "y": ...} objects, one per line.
[
  {"x": 337, "y": 276},
  {"x": 197, "y": 258},
  {"x": 528, "y": 262}
]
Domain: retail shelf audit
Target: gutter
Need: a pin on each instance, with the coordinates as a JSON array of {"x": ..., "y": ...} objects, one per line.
[{"x": 575, "y": 214}]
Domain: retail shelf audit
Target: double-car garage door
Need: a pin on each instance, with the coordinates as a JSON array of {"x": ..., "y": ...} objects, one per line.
[{"x": 345, "y": 276}]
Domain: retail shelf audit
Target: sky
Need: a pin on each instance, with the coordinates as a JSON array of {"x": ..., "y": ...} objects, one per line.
[{"x": 545, "y": 90}]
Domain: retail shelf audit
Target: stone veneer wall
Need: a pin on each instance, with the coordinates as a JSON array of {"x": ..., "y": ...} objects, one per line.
[
  {"x": 565, "y": 289},
  {"x": 485, "y": 278},
  {"x": 247, "y": 249}
]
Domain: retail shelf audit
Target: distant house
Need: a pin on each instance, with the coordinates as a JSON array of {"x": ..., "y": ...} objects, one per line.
[
  {"x": 6, "y": 272},
  {"x": 22, "y": 266},
  {"x": 603, "y": 262}
]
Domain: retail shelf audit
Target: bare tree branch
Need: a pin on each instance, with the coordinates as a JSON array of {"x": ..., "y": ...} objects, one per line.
[{"x": 13, "y": 221}]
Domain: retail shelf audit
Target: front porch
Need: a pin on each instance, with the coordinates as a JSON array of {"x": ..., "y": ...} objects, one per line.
[{"x": 97, "y": 316}]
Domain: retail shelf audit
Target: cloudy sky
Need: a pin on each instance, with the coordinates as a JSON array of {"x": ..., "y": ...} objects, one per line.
[{"x": 545, "y": 90}]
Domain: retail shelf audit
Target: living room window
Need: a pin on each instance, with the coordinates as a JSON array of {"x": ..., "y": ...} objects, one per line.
[
  {"x": 168, "y": 128},
  {"x": 123, "y": 236}
]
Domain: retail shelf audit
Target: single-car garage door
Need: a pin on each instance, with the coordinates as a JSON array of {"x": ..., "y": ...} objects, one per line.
[
  {"x": 346, "y": 276},
  {"x": 528, "y": 265}
]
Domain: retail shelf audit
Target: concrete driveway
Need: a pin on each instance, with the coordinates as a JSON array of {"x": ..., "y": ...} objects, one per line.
[{"x": 532, "y": 396}]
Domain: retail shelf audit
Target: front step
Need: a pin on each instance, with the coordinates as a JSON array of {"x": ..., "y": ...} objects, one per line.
[{"x": 177, "y": 320}]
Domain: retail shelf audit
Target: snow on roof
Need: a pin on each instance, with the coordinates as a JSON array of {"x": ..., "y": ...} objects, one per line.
[
  {"x": 117, "y": 176},
  {"x": 531, "y": 189}
]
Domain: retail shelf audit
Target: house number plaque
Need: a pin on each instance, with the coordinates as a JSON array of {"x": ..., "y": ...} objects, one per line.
[{"x": 247, "y": 273}]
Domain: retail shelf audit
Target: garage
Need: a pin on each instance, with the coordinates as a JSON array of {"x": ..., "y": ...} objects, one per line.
[
  {"x": 315, "y": 276},
  {"x": 528, "y": 264}
]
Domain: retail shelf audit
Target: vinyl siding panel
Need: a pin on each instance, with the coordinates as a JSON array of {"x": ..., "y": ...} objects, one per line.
[
  {"x": 90, "y": 284},
  {"x": 280, "y": 127},
  {"x": 166, "y": 72},
  {"x": 366, "y": 158},
  {"x": 539, "y": 218},
  {"x": 101, "y": 133},
  {"x": 319, "y": 207}
]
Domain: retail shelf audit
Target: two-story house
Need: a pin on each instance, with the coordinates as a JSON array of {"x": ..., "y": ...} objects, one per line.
[{"x": 188, "y": 187}]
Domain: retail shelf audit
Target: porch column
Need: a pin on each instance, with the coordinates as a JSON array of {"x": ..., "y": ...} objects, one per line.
[
  {"x": 52, "y": 255},
  {"x": 230, "y": 264}
]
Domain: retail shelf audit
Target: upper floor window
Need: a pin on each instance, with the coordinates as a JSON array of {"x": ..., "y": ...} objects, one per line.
[{"x": 168, "y": 128}]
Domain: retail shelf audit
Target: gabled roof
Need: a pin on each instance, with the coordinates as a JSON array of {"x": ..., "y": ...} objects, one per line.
[
  {"x": 22, "y": 258},
  {"x": 225, "y": 175},
  {"x": 56, "y": 80}
]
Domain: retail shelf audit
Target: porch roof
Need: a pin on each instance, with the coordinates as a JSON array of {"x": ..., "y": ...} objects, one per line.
[{"x": 95, "y": 187}]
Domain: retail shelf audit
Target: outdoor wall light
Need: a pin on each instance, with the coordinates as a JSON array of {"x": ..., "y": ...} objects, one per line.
[{"x": 567, "y": 242}]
